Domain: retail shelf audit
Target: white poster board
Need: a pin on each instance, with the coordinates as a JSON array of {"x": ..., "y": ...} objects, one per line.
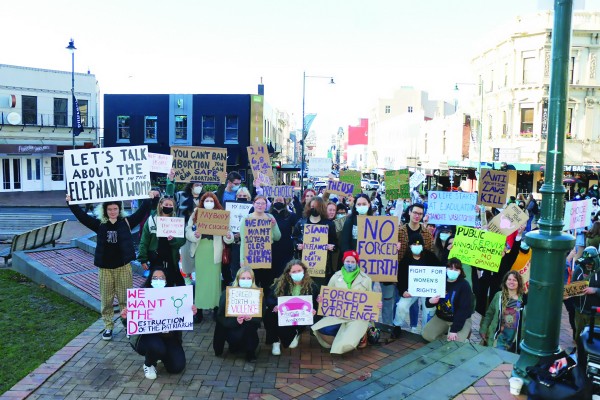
[
  {"x": 578, "y": 214},
  {"x": 237, "y": 211},
  {"x": 159, "y": 310},
  {"x": 452, "y": 208},
  {"x": 160, "y": 163},
  {"x": 415, "y": 179},
  {"x": 426, "y": 281},
  {"x": 107, "y": 174},
  {"x": 319, "y": 167},
  {"x": 295, "y": 310},
  {"x": 170, "y": 226}
]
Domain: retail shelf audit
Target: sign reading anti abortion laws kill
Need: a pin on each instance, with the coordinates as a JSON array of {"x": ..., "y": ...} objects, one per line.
[
  {"x": 340, "y": 188},
  {"x": 352, "y": 177},
  {"x": 508, "y": 221},
  {"x": 426, "y": 281},
  {"x": 493, "y": 187},
  {"x": 314, "y": 254},
  {"x": 212, "y": 222},
  {"x": 160, "y": 163},
  {"x": 396, "y": 184},
  {"x": 295, "y": 310},
  {"x": 377, "y": 245},
  {"x": 452, "y": 208},
  {"x": 159, "y": 310},
  {"x": 106, "y": 174},
  {"x": 287, "y": 192},
  {"x": 578, "y": 214},
  {"x": 349, "y": 304},
  {"x": 240, "y": 301},
  {"x": 257, "y": 239},
  {"x": 237, "y": 211},
  {"x": 260, "y": 162},
  {"x": 170, "y": 226},
  {"x": 478, "y": 248},
  {"x": 199, "y": 164}
]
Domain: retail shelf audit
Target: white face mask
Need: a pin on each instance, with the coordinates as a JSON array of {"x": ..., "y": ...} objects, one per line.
[
  {"x": 245, "y": 283},
  {"x": 444, "y": 236},
  {"x": 209, "y": 205},
  {"x": 197, "y": 189},
  {"x": 362, "y": 210},
  {"x": 158, "y": 283}
]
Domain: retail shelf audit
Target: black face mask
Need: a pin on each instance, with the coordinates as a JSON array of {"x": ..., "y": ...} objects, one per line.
[
  {"x": 314, "y": 212},
  {"x": 242, "y": 200},
  {"x": 155, "y": 201},
  {"x": 167, "y": 210},
  {"x": 279, "y": 206}
]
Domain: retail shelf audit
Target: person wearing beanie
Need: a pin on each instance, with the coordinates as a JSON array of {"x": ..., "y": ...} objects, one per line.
[{"x": 586, "y": 269}]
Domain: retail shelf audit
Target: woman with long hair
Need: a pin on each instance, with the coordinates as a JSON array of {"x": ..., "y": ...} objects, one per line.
[
  {"x": 307, "y": 196},
  {"x": 282, "y": 250},
  {"x": 592, "y": 237},
  {"x": 502, "y": 324},
  {"x": 349, "y": 236}
]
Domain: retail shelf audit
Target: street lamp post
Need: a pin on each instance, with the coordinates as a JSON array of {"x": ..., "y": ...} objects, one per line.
[
  {"x": 304, "y": 133},
  {"x": 71, "y": 47}
]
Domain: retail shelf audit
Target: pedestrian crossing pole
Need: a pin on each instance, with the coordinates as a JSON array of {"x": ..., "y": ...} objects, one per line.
[{"x": 550, "y": 245}]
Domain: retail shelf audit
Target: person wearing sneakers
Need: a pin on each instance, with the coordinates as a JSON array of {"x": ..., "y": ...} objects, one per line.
[
  {"x": 294, "y": 281},
  {"x": 165, "y": 346}
]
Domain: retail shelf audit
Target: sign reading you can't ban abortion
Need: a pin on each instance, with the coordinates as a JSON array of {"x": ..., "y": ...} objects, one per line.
[
  {"x": 257, "y": 238},
  {"x": 452, "y": 208},
  {"x": 106, "y": 174},
  {"x": 199, "y": 164},
  {"x": 377, "y": 245},
  {"x": 314, "y": 254},
  {"x": 478, "y": 248},
  {"x": 349, "y": 304}
]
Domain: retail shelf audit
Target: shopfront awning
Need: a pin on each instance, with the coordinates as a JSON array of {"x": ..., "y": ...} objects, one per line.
[{"x": 493, "y": 165}]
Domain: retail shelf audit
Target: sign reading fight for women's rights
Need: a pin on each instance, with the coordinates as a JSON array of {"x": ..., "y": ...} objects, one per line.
[
  {"x": 342, "y": 189},
  {"x": 257, "y": 239},
  {"x": 295, "y": 310},
  {"x": 314, "y": 254},
  {"x": 508, "y": 221},
  {"x": 352, "y": 177},
  {"x": 160, "y": 163},
  {"x": 199, "y": 164},
  {"x": 159, "y": 310},
  {"x": 260, "y": 162},
  {"x": 241, "y": 301},
  {"x": 170, "y": 226},
  {"x": 106, "y": 174},
  {"x": 452, "y": 208},
  {"x": 396, "y": 184},
  {"x": 349, "y": 304},
  {"x": 426, "y": 281},
  {"x": 377, "y": 246},
  {"x": 493, "y": 187},
  {"x": 287, "y": 192},
  {"x": 478, "y": 248},
  {"x": 578, "y": 214},
  {"x": 212, "y": 222},
  {"x": 237, "y": 211}
]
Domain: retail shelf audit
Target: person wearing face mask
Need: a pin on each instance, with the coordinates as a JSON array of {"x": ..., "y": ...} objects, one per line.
[
  {"x": 165, "y": 346},
  {"x": 307, "y": 196},
  {"x": 283, "y": 249},
  {"x": 452, "y": 317},
  {"x": 443, "y": 234},
  {"x": 241, "y": 332},
  {"x": 161, "y": 252},
  {"x": 227, "y": 192},
  {"x": 593, "y": 192},
  {"x": 349, "y": 235},
  {"x": 414, "y": 228},
  {"x": 294, "y": 281},
  {"x": 207, "y": 252},
  {"x": 242, "y": 196},
  {"x": 339, "y": 334},
  {"x": 586, "y": 269},
  {"x": 337, "y": 213}
]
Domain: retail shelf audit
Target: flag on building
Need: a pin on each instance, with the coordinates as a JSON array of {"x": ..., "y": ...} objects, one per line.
[{"x": 76, "y": 122}]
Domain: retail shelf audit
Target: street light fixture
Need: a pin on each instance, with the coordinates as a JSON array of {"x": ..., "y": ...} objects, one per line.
[
  {"x": 304, "y": 133},
  {"x": 71, "y": 47}
]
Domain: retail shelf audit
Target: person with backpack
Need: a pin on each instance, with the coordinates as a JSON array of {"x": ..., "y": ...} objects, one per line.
[{"x": 533, "y": 209}]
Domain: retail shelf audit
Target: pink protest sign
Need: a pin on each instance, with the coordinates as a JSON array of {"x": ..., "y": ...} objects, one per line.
[
  {"x": 578, "y": 214},
  {"x": 295, "y": 310}
]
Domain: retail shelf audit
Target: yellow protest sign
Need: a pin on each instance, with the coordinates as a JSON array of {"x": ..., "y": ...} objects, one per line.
[
  {"x": 257, "y": 239},
  {"x": 349, "y": 304},
  {"x": 575, "y": 289},
  {"x": 377, "y": 246},
  {"x": 260, "y": 163},
  {"x": 212, "y": 222},
  {"x": 314, "y": 254},
  {"x": 508, "y": 221},
  {"x": 478, "y": 248}
]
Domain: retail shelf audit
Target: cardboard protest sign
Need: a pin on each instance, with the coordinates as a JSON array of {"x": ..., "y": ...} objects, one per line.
[
  {"x": 415, "y": 180},
  {"x": 170, "y": 226},
  {"x": 575, "y": 289},
  {"x": 237, "y": 211},
  {"x": 578, "y": 214},
  {"x": 508, "y": 221},
  {"x": 396, "y": 184},
  {"x": 426, "y": 281},
  {"x": 493, "y": 188},
  {"x": 260, "y": 163},
  {"x": 352, "y": 177},
  {"x": 199, "y": 164},
  {"x": 349, "y": 304},
  {"x": 212, "y": 222},
  {"x": 257, "y": 239},
  {"x": 295, "y": 310},
  {"x": 377, "y": 246},
  {"x": 287, "y": 192},
  {"x": 240, "y": 301},
  {"x": 105, "y": 174},
  {"x": 452, "y": 208},
  {"x": 159, "y": 310},
  {"x": 478, "y": 248},
  {"x": 342, "y": 189},
  {"x": 524, "y": 270},
  {"x": 314, "y": 254},
  {"x": 160, "y": 163},
  {"x": 319, "y": 167}
]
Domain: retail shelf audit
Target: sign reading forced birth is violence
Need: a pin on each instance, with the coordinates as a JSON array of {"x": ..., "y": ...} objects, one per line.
[
  {"x": 212, "y": 222},
  {"x": 257, "y": 239},
  {"x": 199, "y": 164},
  {"x": 159, "y": 310},
  {"x": 452, "y": 208},
  {"x": 349, "y": 304},
  {"x": 493, "y": 187},
  {"x": 314, "y": 254},
  {"x": 478, "y": 248},
  {"x": 377, "y": 245},
  {"x": 106, "y": 174},
  {"x": 241, "y": 301}
]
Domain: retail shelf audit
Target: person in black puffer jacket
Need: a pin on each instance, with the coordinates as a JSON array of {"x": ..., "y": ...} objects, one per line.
[{"x": 586, "y": 269}]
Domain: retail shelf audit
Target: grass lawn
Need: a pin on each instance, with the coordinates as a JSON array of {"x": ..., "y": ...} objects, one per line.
[{"x": 35, "y": 323}]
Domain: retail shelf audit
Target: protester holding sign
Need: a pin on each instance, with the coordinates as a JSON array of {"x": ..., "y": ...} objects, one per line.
[
  {"x": 237, "y": 213},
  {"x": 164, "y": 251},
  {"x": 114, "y": 252},
  {"x": 295, "y": 281},
  {"x": 587, "y": 269},
  {"x": 444, "y": 237},
  {"x": 207, "y": 251},
  {"x": 241, "y": 332},
  {"x": 349, "y": 236},
  {"x": 226, "y": 192},
  {"x": 165, "y": 346},
  {"x": 307, "y": 196},
  {"x": 283, "y": 249}
]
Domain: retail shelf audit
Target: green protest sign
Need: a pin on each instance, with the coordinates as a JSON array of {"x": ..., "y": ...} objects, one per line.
[
  {"x": 478, "y": 248},
  {"x": 396, "y": 184},
  {"x": 352, "y": 177}
]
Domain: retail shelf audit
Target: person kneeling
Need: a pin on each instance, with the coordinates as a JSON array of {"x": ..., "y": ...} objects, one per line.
[{"x": 240, "y": 332}]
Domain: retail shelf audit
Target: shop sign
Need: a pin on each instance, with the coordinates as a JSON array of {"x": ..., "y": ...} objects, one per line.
[
  {"x": 574, "y": 168},
  {"x": 27, "y": 149}
]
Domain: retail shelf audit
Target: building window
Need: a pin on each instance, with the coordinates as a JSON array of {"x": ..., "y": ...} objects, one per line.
[
  {"x": 505, "y": 74},
  {"x": 83, "y": 111},
  {"x": 56, "y": 165},
  {"x": 568, "y": 122},
  {"x": 60, "y": 112},
  {"x": 208, "y": 129},
  {"x": 527, "y": 122},
  {"x": 410, "y": 109},
  {"x": 29, "y": 106},
  {"x": 571, "y": 70},
  {"x": 181, "y": 132},
  {"x": 528, "y": 72},
  {"x": 425, "y": 143},
  {"x": 231, "y": 129},
  {"x": 123, "y": 128},
  {"x": 34, "y": 168},
  {"x": 491, "y": 87},
  {"x": 150, "y": 129},
  {"x": 444, "y": 142},
  {"x": 388, "y": 109}
]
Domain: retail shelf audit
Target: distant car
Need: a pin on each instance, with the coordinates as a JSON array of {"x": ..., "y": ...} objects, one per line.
[
  {"x": 373, "y": 185},
  {"x": 318, "y": 185},
  {"x": 382, "y": 188},
  {"x": 364, "y": 183}
]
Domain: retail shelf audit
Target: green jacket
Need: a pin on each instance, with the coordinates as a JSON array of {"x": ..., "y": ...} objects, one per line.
[
  {"x": 149, "y": 242},
  {"x": 490, "y": 323}
]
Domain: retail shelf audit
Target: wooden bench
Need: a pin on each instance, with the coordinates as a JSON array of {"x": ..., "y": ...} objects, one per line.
[
  {"x": 15, "y": 224},
  {"x": 35, "y": 238}
]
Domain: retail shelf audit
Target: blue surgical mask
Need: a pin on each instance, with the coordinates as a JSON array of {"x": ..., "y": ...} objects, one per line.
[
  {"x": 235, "y": 188},
  {"x": 350, "y": 267},
  {"x": 297, "y": 276},
  {"x": 339, "y": 216},
  {"x": 362, "y": 210},
  {"x": 452, "y": 274},
  {"x": 158, "y": 283},
  {"x": 245, "y": 283},
  {"x": 524, "y": 246},
  {"x": 416, "y": 249},
  {"x": 444, "y": 236}
]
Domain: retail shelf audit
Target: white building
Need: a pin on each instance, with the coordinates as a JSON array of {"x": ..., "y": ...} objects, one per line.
[{"x": 35, "y": 112}]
